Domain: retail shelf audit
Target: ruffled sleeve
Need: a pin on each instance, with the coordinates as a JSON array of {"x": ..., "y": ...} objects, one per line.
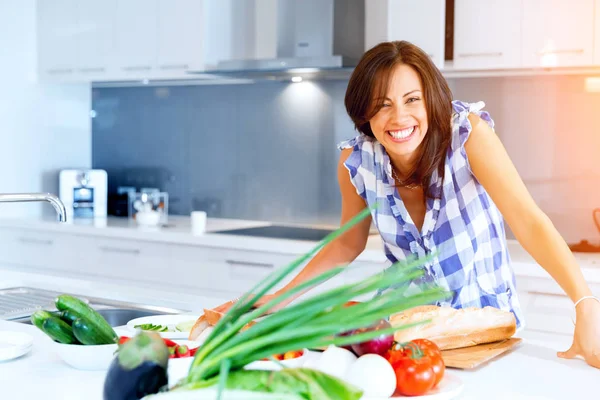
[
  {"x": 461, "y": 130},
  {"x": 354, "y": 162}
]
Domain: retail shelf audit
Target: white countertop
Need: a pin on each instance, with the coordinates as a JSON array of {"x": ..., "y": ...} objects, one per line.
[{"x": 532, "y": 371}]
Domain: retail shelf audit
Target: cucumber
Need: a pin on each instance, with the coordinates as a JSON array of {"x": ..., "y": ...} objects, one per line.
[
  {"x": 68, "y": 316},
  {"x": 104, "y": 332},
  {"x": 38, "y": 317},
  {"x": 58, "y": 330},
  {"x": 85, "y": 332}
]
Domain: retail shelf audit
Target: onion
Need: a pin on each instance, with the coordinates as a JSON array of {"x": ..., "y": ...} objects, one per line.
[{"x": 378, "y": 345}]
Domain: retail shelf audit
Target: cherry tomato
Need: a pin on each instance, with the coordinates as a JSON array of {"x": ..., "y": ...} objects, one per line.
[{"x": 123, "y": 339}]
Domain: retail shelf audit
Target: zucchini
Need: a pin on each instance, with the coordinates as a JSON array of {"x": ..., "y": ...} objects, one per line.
[
  {"x": 58, "y": 330},
  {"x": 38, "y": 318},
  {"x": 104, "y": 332},
  {"x": 85, "y": 332},
  {"x": 68, "y": 316}
]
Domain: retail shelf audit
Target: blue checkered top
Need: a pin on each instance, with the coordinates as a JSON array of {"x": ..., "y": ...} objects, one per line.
[{"x": 462, "y": 224}]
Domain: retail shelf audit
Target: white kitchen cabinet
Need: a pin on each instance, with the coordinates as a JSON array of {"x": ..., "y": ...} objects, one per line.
[
  {"x": 558, "y": 33},
  {"x": 136, "y": 34},
  {"x": 56, "y": 36},
  {"x": 95, "y": 38},
  {"x": 487, "y": 34},
  {"x": 420, "y": 22},
  {"x": 180, "y": 36}
]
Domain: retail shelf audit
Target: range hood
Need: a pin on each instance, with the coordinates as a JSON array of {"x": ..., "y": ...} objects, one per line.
[{"x": 316, "y": 39}]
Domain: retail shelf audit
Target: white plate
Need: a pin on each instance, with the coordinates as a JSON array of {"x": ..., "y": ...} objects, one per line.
[
  {"x": 169, "y": 320},
  {"x": 449, "y": 388},
  {"x": 14, "y": 345}
]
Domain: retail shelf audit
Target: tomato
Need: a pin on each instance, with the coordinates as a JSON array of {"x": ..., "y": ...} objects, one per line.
[
  {"x": 418, "y": 365},
  {"x": 292, "y": 354},
  {"x": 432, "y": 351},
  {"x": 414, "y": 377}
]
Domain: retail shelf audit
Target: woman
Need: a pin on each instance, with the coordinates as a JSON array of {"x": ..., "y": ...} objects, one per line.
[{"x": 442, "y": 187}]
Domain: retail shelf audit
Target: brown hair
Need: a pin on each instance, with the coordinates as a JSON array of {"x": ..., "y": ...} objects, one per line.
[{"x": 364, "y": 86}]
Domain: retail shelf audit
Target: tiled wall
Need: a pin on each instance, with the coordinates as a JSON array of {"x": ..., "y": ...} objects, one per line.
[{"x": 267, "y": 151}]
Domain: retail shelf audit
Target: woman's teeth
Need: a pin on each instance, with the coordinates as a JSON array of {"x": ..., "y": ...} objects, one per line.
[{"x": 403, "y": 134}]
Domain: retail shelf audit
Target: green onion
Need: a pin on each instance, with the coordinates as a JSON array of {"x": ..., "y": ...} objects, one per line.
[{"x": 313, "y": 323}]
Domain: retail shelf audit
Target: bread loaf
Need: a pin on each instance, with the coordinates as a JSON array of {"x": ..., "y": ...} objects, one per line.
[{"x": 451, "y": 328}]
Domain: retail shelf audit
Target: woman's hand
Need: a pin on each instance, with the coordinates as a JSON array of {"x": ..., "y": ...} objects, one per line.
[
  {"x": 223, "y": 308},
  {"x": 586, "y": 339}
]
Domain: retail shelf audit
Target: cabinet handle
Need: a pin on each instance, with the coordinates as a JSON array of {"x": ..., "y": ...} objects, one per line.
[
  {"x": 249, "y": 264},
  {"x": 92, "y": 69},
  {"x": 174, "y": 66},
  {"x": 57, "y": 71},
  {"x": 46, "y": 242},
  {"x": 538, "y": 293},
  {"x": 138, "y": 68},
  {"x": 561, "y": 51},
  {"x": 108, "y": 249},
  {"x": 489, "y": 54}
]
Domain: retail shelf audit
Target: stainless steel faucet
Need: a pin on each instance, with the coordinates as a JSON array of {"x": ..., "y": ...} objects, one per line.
[{"x": 27, "y": 197}]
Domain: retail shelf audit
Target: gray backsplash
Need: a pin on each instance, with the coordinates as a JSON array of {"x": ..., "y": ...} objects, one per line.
[{"x": 264, "y": 151}]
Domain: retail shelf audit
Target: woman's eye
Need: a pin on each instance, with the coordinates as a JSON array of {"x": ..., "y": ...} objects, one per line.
[
  {"x": 386, "y": 105},
  {"x": 412, "y": 99}
]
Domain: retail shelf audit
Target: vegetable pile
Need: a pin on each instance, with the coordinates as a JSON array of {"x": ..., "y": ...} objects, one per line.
[
  {"x": 74, "y": 323},
  {"x": 317, "y": 322}
]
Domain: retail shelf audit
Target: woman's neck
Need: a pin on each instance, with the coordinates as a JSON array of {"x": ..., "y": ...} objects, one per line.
[{"x": 403, "y": 164}]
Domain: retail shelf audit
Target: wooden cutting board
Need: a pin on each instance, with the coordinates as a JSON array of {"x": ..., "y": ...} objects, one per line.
[{"x": 474, "y": 356}]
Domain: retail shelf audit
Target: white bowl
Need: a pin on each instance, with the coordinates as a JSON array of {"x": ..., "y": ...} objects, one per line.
[{"x": 86, "y": 357}]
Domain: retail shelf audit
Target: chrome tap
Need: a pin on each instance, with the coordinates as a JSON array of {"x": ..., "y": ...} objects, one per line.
[{"x": 27, "y": 197}]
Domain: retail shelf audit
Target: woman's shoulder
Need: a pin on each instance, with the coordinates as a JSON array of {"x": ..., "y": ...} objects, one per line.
[
  {"x": 464, "y": 113},
  {"x": 358, "y": 143}
]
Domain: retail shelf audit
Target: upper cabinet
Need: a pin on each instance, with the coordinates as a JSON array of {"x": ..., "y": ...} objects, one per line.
[
  {"x": 105, "y": 40},
  {"x": 420, "y": 22},
  {"x": 487, "y": 34},
  {"x": 558, "y": 33}
]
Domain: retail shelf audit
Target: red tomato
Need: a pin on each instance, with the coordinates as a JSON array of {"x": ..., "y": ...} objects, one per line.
[
  {"x": 432, "y": 351},
  {"x": 414, "y": 377},
  {"x": 418, "y": 365}
]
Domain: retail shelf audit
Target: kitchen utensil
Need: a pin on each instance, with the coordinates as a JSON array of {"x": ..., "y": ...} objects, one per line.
[{"x": 474, "y": 356}]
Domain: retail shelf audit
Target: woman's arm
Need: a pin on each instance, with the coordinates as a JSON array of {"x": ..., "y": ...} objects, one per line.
[{"x": 533, "y": 229}]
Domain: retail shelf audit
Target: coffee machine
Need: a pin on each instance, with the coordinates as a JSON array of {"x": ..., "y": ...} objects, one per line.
[{"x": 84, "y": 192}]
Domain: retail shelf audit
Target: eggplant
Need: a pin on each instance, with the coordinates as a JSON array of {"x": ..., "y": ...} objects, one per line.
[{"x": 139, "y": 369}]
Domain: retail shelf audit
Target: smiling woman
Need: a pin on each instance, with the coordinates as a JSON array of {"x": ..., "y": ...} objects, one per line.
[{"x": 443, "y": 185}]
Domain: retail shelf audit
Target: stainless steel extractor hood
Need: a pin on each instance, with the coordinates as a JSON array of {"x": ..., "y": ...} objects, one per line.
[{"x": 314, "y": 39}]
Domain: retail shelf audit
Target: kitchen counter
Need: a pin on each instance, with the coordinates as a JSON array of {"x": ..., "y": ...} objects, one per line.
[
  {"x": 532, "y": 371},
  {"x": 178, "y": 231}
]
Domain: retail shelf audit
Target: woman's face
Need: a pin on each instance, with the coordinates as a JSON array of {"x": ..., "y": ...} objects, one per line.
[{"x": 401, "y": 124}]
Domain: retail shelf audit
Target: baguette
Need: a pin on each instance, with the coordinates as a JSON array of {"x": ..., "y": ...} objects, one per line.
[{"x": 451, "y": 328}]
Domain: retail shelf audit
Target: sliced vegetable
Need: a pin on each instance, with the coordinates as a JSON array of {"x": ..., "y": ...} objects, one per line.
[
  {"x": 152, "y": 327},
  {"x": 58, "y": 330},
  {"x": 182, "y": 351},
  {"x": 139, "y": 369},
  {"x": 77, "y": 307},
  {"x": 38, "y": 318},
  {"x": 185, "y": 326}
]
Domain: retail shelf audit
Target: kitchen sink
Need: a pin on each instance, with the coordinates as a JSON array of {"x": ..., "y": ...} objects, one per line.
[
  {"x": 114, "y": 316},
  {"x": 17, "y": 304}
]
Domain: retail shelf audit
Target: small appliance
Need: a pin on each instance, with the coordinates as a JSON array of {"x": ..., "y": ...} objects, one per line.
[{"x": 84, "y": 192}]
